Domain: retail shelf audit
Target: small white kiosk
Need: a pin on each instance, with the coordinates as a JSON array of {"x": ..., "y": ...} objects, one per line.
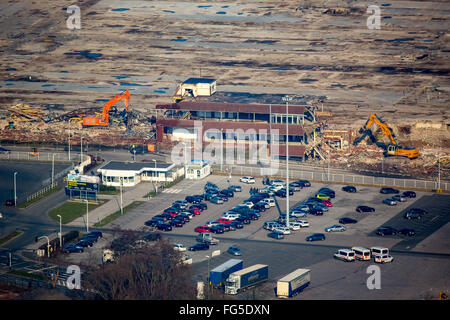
[{"x": 197, "y": 169}]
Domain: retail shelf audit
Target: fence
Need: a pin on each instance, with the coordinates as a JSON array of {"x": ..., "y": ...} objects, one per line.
[
  {"x": 42, "y": 191},
  {"x": 340, "y": 178}
]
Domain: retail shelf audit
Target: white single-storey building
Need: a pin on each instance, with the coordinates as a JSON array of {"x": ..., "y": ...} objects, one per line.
[
  {"x": 198, "y": 87},
  {"x": 197, "y": 169},
  {"x": 131, "y": 173}
]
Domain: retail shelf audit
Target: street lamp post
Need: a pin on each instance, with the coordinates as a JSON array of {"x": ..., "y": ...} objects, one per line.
[
  {"x": 15, "y": 190},
  {"x": 87, "y": 214},
  {"x": 48, "y": 245},
  {"x": 53, "y": 169},
  {"x": 121, "y": 199},
  {"x": 69, "y": 139},
  {"x": 60, "y": 230},
  {"x": 81, "y": 151},
  {"x": 286, "y": 99}
]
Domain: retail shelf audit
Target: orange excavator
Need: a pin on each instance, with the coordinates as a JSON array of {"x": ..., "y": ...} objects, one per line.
[
  {"x": 91, "y": 121},
  {"x": 390, "y": 149}
]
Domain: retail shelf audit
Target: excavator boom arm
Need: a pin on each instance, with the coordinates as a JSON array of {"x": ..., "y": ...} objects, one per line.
[
  {"x": 384, "y": 128},
  {"x": 113, "y": 101}
]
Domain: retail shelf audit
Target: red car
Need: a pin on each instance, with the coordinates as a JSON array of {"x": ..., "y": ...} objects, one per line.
[
  {"x": 201, "y": 229},
  {"x": 172, "y": 213},
  {"x": 326, "y": 202},
  {"x": 195, "y": 211},
  {"x": 225, "y": 221}
]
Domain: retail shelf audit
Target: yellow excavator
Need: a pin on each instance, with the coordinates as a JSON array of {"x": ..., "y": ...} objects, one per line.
[{"x": 390, "y": 149}]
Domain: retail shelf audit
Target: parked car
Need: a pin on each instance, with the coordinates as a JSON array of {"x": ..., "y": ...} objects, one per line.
[
  {"x": 276, "y": 235},
  {"x": 179, "y": 247},
  {"x": 85, "y": 243},
  {"x": 304, "y": 183},
  {"x": 327, "y": 203},
  {"x": 210, "y": 224},
  {"x": 327, "y": 191},
  {"x": 418, "y": 210},
  {"x": 407, "y": 232},
  {"x": 322, "y": 196},
  {"x": 193, "y": 199},
  {"x": 176, "y": 223},
  {"x": 243, "y": 220},
  {"x": 224, "y": 220},
  {"x": 364, "y": 209},
  {"x": 350, "y": 189},
  {"x": 282, "y": 229},
  {"x": 388, "y": 190},
  {"x": 386, "y": 231},
  {"x": 196, "y": 211},
  {"x": 199, "y": 246},
  {"x": 249, "y": 180},
  {"x": 295, "y": 186},
  {"x": 335, "y": 228},
  {"x": 97, "y": 234},
  {"x": 384, "y": 258},
  {"x": 235, "y": 188},
  {"x": 412, "y": 215},
  {"x": 298, "y": 213},
  {"x": 390, "y": 202},
  {"x": 409, "y": 194},
  {"x": 164, "y": 227},
  {"x": 216, "y": 200},
  {"x": 201, "y": 229},
  {"x": 218, "y": 228},
  {"x": 347, "y": 220},
  {"x": 236, "y": 224},
  {"x": 303, "y": 223},
  {"x": 315, "y": 237},
  {"x": 227, "y": 193},
  {"x": 71, "y": 248},
  {"x": 316, "y": 212},
  {"x": 399, "y": 197},
  {"x": 201, "y": 205},
  {"x": 234, "y": 250}
]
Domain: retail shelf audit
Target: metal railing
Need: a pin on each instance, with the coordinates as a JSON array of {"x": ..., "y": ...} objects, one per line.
[
  {"x": 42, "y": 191},
  {"x": 339, "y": 178}
]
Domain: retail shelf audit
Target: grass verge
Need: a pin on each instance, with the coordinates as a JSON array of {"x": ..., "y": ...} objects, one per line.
[
  {"x": 117, "y": 214},
  {"x": 71, "y": 210},
  {"x": 42, "y": 196},
  {"x": 9, "y": 237},
  {"x": 28, "y": 275}
]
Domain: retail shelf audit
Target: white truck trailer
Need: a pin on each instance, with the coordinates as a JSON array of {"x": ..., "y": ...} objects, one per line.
[{"x": 292, "y": 283}]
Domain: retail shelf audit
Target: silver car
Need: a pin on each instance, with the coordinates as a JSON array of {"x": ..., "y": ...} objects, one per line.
[{"x": 336, "y": 228}]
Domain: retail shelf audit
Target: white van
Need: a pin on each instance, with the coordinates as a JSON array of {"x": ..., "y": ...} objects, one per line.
[
  {"x": 345, "y": 254},
  {"x": 376, "y": 251},
  {"x": 361, "y": 253},
  {"x": 270, "y": 202}
]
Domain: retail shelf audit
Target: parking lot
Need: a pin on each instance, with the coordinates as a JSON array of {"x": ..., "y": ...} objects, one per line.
[
  {"x": 344, "y": 205},
  {"x": 294, "y": 251}
]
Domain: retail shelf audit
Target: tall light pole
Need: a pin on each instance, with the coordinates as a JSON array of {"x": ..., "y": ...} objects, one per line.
[
  {"x": 286, "y": 99},
  {"x": 69, "y": 139},
  {"x": 60, "y": 230},
  {"x": 87, "y": 213},
  {"x": 15, "y": 189},
  {"x": 48, "y": 244},
  {"x": 121, "y": 199},
  {"x": 53, "y": 169},
  {"x": 81, "y": 151}
]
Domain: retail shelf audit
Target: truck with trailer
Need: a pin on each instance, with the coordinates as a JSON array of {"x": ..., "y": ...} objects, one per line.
[
  {"x": 243, "y": 279},
  {"x": 206, "y": 237},
  {"x": 293, "y": 283},
  {"x": 219, "y": 275}
]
